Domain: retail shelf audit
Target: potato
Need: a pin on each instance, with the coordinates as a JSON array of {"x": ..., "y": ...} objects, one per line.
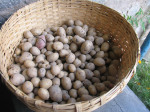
[
  {"x": 45, "y": 83},
  {"x": 49, "y": 46},
  {"x": 69, "y": 31},
  {"x": 41, "y": 72},
  {"x": 80, "y": 74},
  {"x": 56, "y": 81},
  {"x": 13, "y": 69},
  {"x": 44, "y": 33},
  {"x": 78, "y": 23},
  {"x": 72, "y": 68},
  {"x": 36, "y": 31},
  {"x": 63, "y": 53},
  {"x": 79, "y": 31},
  {"x": 77, "y": 84},
  {"x": 29, "y": 64},
  {"x": 32, "y": 40},
  {"x": 105, "y": 37},
  {"x": 43, "y": 94},
  {"x": 92, "y": 90},
  {"x": 97, "y": 49},
  {"x": 103, "y": 92},
  {"x": 112, "y": 70},
  {"x": 82, "y": 58},
  {"x": 70, "y": 58},
  {"x": 87, "y": 83},
  {"x": 66, "y": 83},
  {"x": 71, "y": 100},
  {"x": 64, "y": 26},
  {"x": 99, "y": 61},
  {"x": 82, "y": 91},
  {"x": 72, "y": 76},
  {"x": 17, "y": 79},
  {"x": 65, "y": 95},
  {"x": 103, "y": 78},
  {"x": 49, "y": 74},
  {"x": 66, "y": 65},
  {"x": 93, "y": 52},
  {"x": 111, "y": 79},
  {"x": 86, "y": 97},
  {"x": 25, "y": 56},
  {"x": 34, "y": 51},
  {"x": 54, "y": 29},
  {"x": 35, "y": 81},
  {"x": 100, "y": 54},
  {"x": 57, "y": 46},
  {"x": 41, "y": 42},
  {"x": 40, "y": 58},
  {"x": 99, "y": 41},
  {"x": 85, "y": 28},
  {"x": 96, "y": 73},
  {"x": 91, "y": 32},
  {"x": 18, "y": 51},
  {"x": 61, "y": 32},
  {"x": 24, "y": 73},
  {"x": 89, "y": 73},
  {"x": 112, "y": 55},
  {"x": 28, "y": 34},
  {"x": 90, "y": 66},
  {"x": 49, "y": 37},
  {"x": 32, "y": 72},
  {"x": 117, "y": 51},
  {"x": 77, "y": 62},
  {"x": 78, "y": 40},
  {"x": 95, "y": 80},
  {"x": 45, "y": 64},
  {"x": 43, "y": 51},
  {"x": 86, "y": 47},
  {"x": 27, "y": 87},
  {"x": 63, "y": 102},
  {"x": 99, "y": 87},
  {"x": 105, "y": 46},
  {"x": 26, "y": 46},
  {"x": 64, "y": 40},
  {"x": 52, "y": 57},
  {"x": 70, "y": 22},
  {"x": 73, "y": 47},
  {"x": 102, "y": 69},
  {"x": 73, "y": 93},
  {"x": 55, "y": 70},
  {"x": 55, "y": 93},
  {"x": 91, "y": 38},
  {"x": 115, "y": 63},
  {"x": 31, "y": 95}
]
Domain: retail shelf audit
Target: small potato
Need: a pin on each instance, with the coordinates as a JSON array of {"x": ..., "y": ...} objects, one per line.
[
  {"x": 82, "y": 91},
  {"x": 32, "y": 40},
  {"x": 100, "y": 54},
  {"x": 34, "y": 51},
  {"x": 49, "y": 75},
  {"x": 79, "y": 31},
  {"x": 61, "y": 32},
  {"x": 90, "y": 66},
  {"x": 41, "y": 42},
  {"x": 69, "y": 31},
  {"x": 13, "y": 69},
  {"x": 99, "y": 61},
  {"x": 80, "y": 74},
  {"x": 73, "y": 47},
  {"x": 25, "y": 56},
  {"x": 77, "y": 62},
  {"x": 60, "y": 66},
  {"x": 112, "y": 70},
  {"x": 57, "y": 46},
  {"x": 64, "y": 26},
  {"x": 72, "y": 76},
  {"x": 88, "y": 57},
  {"x": 97, "y": 74},
  {"x": 31, "y": 95},
  {"x": 85, "y": 28},
  {"x": 56, "y": 81},
  {"x": 36, "y": 31},
  {"x": 102, "y": 69},
  {"x": 92, "y": 90},
  {"x": 99, "y": 87},
  {"x": 17, "y": 79},
  {"x": 95, "y": 80},
  {"x": 66, "y": 46},
  {"x": 24, "y": 73},
  {"x": 45, "y": 83},
  {"x": 55, "y": 93},
  {"x": 54, "y": 29},
  {"x": 66, "y": 65},
  {"x": 43, "y": 94},
  {"x": 86, "y": 47},
  {"x": 66, "y": 83},
  {"x": 117, "y": 51},
  {"x": 91, "y": 32},
  {"x": 70, "y": 22},
  {"x": 77, "y": 54},
  {"x": 63, "y": 53},
  {"x": 32, "y": 72},
  {"x": 29, "y": 64},
  {"x": 78, "y": 23},
  {"x": 87, "y": 83},
  {"x": 105, "y": 46},
  {"x": 82, "y": 58},
  {"x": 18, "y": 51},
  {"x": 72, "y": 68},
  {"x": 73, "y": 93},
  {"x": 70, "y": 58},
  {"x": 49, "y": 46},
  {"x": 63, "y": 102},
  {"x": 38, "y": 98},
  {"x": 52, "y": 57},
  {"x": 28, "y": 34},
  {"x": 78, "y": 40},
  {"x": 93, "y": 52},
  {"x": 64, "y": 40},
  {"x": 96, "y": 48},
  {"x": 55, "y": 70},
  {"x": 77, "y": 84},
  {"x": 26, "y": 46},
  {"x": 43, "y": 51},
  {"x": 105, "y": 37},
  {"x": 49, "y": 37},
  {"x": 71, "y": 100},
  {"x": 65, "y": 95},
  {"x": 99, "y": 41},
  {"x": 35, "y": 81},
  {"x": 27, "y": 87},
  {"x": 89, "y": 73},
  {"x": 91, "y": 38},
  {"x": 40, "y": 58},
  {"x": 86, "y": 97}
]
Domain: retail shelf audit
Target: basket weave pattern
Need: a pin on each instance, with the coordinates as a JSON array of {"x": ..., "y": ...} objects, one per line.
[{"x": 46, "y": 13}]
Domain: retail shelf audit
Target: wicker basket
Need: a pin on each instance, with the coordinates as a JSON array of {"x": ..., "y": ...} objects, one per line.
[{"x": 46, "y": 13}]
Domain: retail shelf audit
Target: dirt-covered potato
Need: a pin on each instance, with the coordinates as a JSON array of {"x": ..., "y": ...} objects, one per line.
[
  {"x": 86, "y": 47},
  {"x": 69, "y": 31},
  {"x": 34, "y": 51},
  {"x": 96, "y": 73},
  {"x": 86, "y": 97},
  {"x": 78, "y": 23},
  {"x": 82, "y": 91},
  {"x": 66, "y": 83},
  {"x": 43, "y": 94},
  {"x": 58, "y": 46},
  {"x": 73, "y": 47},
  {"x": 90, "y": 66},
  {"x": 13, "y": 69},
  {"x": 117, "y": 51},
  {"x": 70, "y": 58},
  {"x": 27, "y": 87},
  {"x": 105, "y": 46},
  {"x": 92, "y": 90},
  {"x": 79, "y": 31},
  {"x": 89, "y": 73},
  {"x": 77, "y": 84},
  {"x": 32, "y": 72},
  {"x": 99, "y": 61},
  {"x": 71, "y": 100},
  {"x": 36, "y": 31},
  {"x": 17, "y": 79},
  {"x": 56, "y": 81},
  {"x": 70, "y": 22},
  {"x": 100, "y": 54},
  {"x": 18, "y": 51},
  {"x": 78, "y": 40},
  {"x": 28, "y": 34},
  {"x": 99, "y": 41},
  {"x": 112, "y": 70},
  {"x": 29, "y": 64},
  {"x": 55, "y": 93},
  {"x": 100, "y": 87},
  {"x": 26, "y": 46},
  {"x": 87, "y": 83},
  {"x": 95, "y": 80},
  {"x": 52, "y": 57},
  {"x": 80, "y": 74},
  {"x": 55, "y": 70},
  {"x": 77, "y": 62},
  {"x": 35, "y": 81},
  {"x": 72, "y": 68},
  {"x": 73, "y": 93},
  {"x": 25, "y": 56},
  {"x": 41, "y": 72},
  {"x": 49, "y": 37},
  {"x": 45, "y": 83},
  {"x": 61, "y": 32}
]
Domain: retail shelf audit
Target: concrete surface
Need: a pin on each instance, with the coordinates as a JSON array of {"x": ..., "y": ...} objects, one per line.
[{"x": 126, "y": 101}]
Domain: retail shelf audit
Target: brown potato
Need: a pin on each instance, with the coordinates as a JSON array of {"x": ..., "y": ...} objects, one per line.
[
  {"x": 49, "y": 74},
  {"x": 17, "y": 79},
  {"x": 82, "y": 91},
  {"x": 77, "y": 84},
  {"x": 71, "y": 100},
  {"x": 27, "y": 87},
  {"x": 99, "y": 61},
  {"x": 90, "y": 66},
  {"x": 87, "y": 83},
  {"x": 105, "y": 46},
  {"x": 32, "y": 72},
  {"x": 86, "y": 47},
  {"x": 112, "y": 70},
  {"x": 79, "y": 31},
  {"x": 35, "y": 81},
  {"x": 13, "y": 69},
  {"x": 25, "y": 56},
  {"x": 43, "y": 94},
  {"x": 86, "y": 97},
  {"x": 45, "y": 83},
  {"x": 28, "y": 34},
  {"x": 100, "y": 87},
  {"x": 99, "y": 41},
  {"x": 89, "y": 73},
  {"x": 73, "y": 93},
  {"x": 34, "y": 51},
  {"x": 92, "y": 90},
  {"x": 80, "y": 74},
  {"x": 66, "y": 83},
  {"x": 55, "y": 70}
]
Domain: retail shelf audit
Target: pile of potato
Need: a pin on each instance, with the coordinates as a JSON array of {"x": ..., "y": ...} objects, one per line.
[{"x": 66, "y": 64}]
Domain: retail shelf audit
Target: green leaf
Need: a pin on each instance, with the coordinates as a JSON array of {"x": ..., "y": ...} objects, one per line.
[
  {"x": 143, "y": 25},
  {"x": 124, "y": 16}
]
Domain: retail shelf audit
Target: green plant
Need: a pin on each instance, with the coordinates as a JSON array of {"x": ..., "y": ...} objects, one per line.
[{"x": 139, "y": 18}]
